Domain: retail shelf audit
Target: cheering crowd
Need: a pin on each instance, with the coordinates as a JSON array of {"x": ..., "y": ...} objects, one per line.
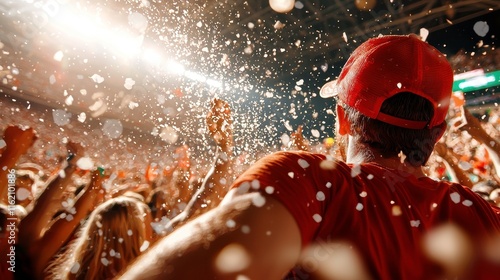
[{"x": 86, "y": 206}]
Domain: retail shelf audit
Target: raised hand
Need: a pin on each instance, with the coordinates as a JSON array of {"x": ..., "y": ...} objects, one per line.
[
  {"x": 220, "y": 124},
  {"x": 298, "y": 141}
]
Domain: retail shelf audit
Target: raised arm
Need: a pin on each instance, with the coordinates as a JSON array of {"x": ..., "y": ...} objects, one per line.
[
  {"x": 475, "y": 129},
  {"x": 234, "y": 239},
  {"x": 60, "y": 231},
  {"x": 218, "y": 179},
  {"x": 49, "y": 202},
  {"x": 457, "y": 174},
  {"x": 17, "y": 142}
]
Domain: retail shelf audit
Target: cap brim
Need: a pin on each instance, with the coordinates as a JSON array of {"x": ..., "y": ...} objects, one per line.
[{"x": 329, "y": 89}]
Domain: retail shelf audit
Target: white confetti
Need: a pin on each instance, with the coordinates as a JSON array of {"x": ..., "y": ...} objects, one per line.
[
  {"x": 74, "y": 268},
  {"x": 3, "y": 144},
  {"x": 455, "y": 197},
  {"x": 169, "y": 135},
  {"x": 355, "y": 170},
  {"x": 104, "y": 261},
  {"x": 320, "y": 196},
  {"x": 291, "y": 174},
  {"x": 243, "y": 188},
  {"x": 112, "y": 128},
  {"x": 269, "y": 189},
  {"x": 61, "y": 117},
  {"x": 317, "y": 218},
  {"x": 369, "y": 177},
  {"x": 424, "y": 33},
  {"x": 129, "y": 232},
  {"x": 245, "y": 229},
  {"x": 129, "y": 83},
  {"x": 82, "y": 117},
  {"x": 232, "y": 258},
  {"x": 415, "y": 223},
  {"x": 97, "y": 78},
  {"x": 85, "y": 163},
  {"x": 359, "y": 207},
  {"x": 22, "y": 194},
  {"x": 303, "y": 163},
  {"x": 144, "y": 246},
  {"x": 328, "y": 185},
  {"x": 69, "y": 100},
  {"x": 255, "y": 184},
  {"x": 58, "y": 56},
  {"x": 259, "y": 200},
  {"x": 363, "y": 194},
  {"x": 230, "y": 223},
  {"x": 467, "y": 203},
  {"x": 315, "y": 133},
  {"x": 52, "y": 79},
  {"x": 69, "y": 217},
  {"x": 481, "y": 28},
  {"x": 112, "y": 253}
]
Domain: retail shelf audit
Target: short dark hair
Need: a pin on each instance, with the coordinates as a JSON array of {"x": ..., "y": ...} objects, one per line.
[{"x": 389, "y": 140}]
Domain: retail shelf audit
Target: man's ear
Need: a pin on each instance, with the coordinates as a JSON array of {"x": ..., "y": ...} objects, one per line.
[{"x": 344, "y": 125}]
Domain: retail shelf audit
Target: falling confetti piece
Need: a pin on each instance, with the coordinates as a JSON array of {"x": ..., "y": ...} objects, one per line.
[
  {"x": 467, "y": 203},
  {"x": 355, "y": 170},
  {"x": 481, "y": 28},
  {"x": 255, "y": 184},
  {"x": 232, "y": 258},
  {"x": 303, "y": 163},
  {"x": 82, "y": 117},
  {"x": 269, "y": 190},
  {"x": 415, "y": 223},
  {"x": 259, "y": 200},
  {"x": 455, "y": 197},
  {"x": 112, "y": 128},
  {"x": 58, "y": 56},
  {"x": 320, "y": 196},
  {"x": 22, "y": 194},
  {"x": 359, "y": 207},
  {"x": 61, "y": 117},
  {"x": 97, "y": 78},
  {"x": 424, "y": 33},
  {"x": 291, "y": 174},
  {"x": 317, "y": 218},
  {"x": 75, "y": 268},
  {"x": 144, "y": 246},
  {"x": 85, "y": 163},
  {"x": 363, "y": 194},
  {"x": 69, "y": 100},
  {"x": 129, "y": 83}
]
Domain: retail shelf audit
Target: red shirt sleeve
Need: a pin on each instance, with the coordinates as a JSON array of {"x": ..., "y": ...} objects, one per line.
[{"x": 297, "y": 181}]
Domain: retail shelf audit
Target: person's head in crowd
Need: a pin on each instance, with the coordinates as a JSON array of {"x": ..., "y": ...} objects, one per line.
[
  {"x": 113, "y": 236},
  {"x": 403, "y": 114},
  {"x": 157, "y": 202}
]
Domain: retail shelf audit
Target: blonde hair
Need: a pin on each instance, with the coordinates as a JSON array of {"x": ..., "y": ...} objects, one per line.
[{"x": 113, "y": 236}]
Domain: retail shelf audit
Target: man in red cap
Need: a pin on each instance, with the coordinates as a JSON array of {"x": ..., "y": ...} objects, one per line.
[{"x": 373, "y": 215}]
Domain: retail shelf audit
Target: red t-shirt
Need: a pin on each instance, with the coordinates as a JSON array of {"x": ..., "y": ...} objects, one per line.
[{"x": 384, "y": 213}]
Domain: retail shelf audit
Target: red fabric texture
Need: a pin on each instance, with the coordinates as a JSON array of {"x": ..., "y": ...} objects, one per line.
[{"x": 383, "y": 213}]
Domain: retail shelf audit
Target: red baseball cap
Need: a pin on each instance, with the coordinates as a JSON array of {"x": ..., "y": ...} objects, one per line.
[{"x": 384, "y": 66}]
